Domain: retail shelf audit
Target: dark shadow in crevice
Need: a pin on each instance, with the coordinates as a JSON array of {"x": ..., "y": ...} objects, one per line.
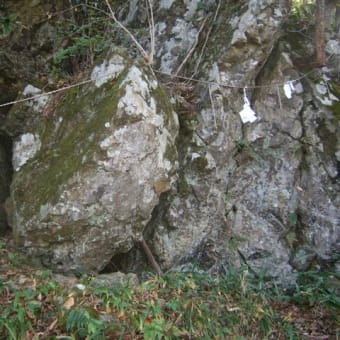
[
  {"x": 6, "y": 173},
  {"x": 135, "y": 260}
]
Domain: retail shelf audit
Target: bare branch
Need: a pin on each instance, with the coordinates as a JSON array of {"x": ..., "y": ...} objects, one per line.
[
  {"x": 207, "y": 39},
  {"x": 150, "y": 257},
  {"x": 320, "y": 33},
  {"x": 192, "y": 49},
  {"x": 152, "y": 31},
  {"x": 138, "y": 45},
  {"x": 212, "y": 106}
]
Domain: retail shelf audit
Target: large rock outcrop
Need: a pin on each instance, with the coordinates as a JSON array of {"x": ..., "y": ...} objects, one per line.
[
  {"x": 217, "y": 212},
  {"x": 91, "y": 164},
  {"x": 89, "y": 173},
  {"x": 266, "y": 193}
]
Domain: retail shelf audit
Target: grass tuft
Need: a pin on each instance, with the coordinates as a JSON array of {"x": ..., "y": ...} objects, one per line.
[{"x": 177, "y": 305}]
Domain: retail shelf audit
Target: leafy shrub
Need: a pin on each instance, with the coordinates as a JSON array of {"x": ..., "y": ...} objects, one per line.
[
  {"x": 82, "y": 325},
  {"x": 85, "y": 34}
]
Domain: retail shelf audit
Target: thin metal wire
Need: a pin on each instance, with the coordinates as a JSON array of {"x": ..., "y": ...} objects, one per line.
[
  {"x": 46, "y": 93},
  {"x": 200, "y": 81}
]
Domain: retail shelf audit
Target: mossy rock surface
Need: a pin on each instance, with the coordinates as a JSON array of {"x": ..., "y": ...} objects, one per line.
[{"x": 89, "y": 173}]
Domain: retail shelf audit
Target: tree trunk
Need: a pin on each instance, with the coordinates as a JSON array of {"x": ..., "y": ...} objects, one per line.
[{"x": 320, "y": 33}]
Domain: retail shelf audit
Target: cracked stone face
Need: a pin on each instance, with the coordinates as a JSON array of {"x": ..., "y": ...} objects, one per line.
[
  {"x": 88, "y": 179},
  {"x": 260, "y": 188},
  {"x": 242, "y": 185}
]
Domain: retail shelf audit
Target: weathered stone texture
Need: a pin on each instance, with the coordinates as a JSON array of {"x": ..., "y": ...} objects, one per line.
[
  {"x": 89, "y": 175},
  {"x": 91, "y": 169}
]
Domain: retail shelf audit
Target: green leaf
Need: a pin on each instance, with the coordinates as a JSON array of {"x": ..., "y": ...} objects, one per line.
[
  {"x": 293, "y": 218},
  {"x": 77, "y": 319}
]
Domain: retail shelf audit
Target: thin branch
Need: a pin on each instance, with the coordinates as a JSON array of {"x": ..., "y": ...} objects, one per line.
[
  {"x": 138, "y": 45},
  {"x": 212, "y": 106},
  {"x": 206, "y": 39},
  {"x": 279, "y": 97},
  {"x": 320, "y": 33},
  {"x": 152, "y": 31},
  {"x": 150, "y": 257},
  {"x": 193, "y": 47}
]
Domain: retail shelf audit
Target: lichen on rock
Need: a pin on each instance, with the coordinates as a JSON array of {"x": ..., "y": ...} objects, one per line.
[
  {"x": 90, "y": 190},
  {"x": 262, "y": 192},
  {"x": 24, "y": 149}
]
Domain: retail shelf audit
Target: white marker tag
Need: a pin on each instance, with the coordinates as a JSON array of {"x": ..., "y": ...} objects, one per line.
[
  {"x": 247, "y": 114},
  {"x": 289, "y": 89}
]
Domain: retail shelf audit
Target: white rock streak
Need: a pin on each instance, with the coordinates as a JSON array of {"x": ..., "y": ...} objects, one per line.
[
  {"x": 107, "y": 70},
  {"x": 24, "y": 149},
  {"x": 38, "y": 103}
]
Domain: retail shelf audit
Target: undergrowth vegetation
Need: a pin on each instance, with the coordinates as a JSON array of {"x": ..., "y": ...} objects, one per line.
[
  {"x": 85, "y": 31},
  {"x": 35, "y": 304}
]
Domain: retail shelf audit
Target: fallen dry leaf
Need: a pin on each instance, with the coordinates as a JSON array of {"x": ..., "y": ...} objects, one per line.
[
  {"x": 69, "y": 303},
  {"x": 52, "y": 325}
]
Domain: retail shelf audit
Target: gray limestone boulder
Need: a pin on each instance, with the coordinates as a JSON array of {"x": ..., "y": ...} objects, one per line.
[
  {"x": 258, "y": 193},
  {"x": 89, "y": 174},
  {"x": 251, "y": 179},
  {"x": 115, "y": 280}
]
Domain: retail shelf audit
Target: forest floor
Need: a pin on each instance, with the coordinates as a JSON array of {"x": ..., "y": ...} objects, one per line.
[{"x": 37, "y": 304}]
